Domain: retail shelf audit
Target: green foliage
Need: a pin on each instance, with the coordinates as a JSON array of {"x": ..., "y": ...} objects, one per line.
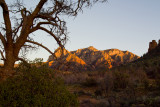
[
  {"x": 35, "y": 87},
  {"x": 37, "y": 62}
]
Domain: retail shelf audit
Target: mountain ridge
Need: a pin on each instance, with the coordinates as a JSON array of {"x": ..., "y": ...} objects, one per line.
[{"x": 90, "y": 59}]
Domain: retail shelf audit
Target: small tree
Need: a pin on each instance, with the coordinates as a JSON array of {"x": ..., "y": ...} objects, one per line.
[{"x": 48, "y": 18}]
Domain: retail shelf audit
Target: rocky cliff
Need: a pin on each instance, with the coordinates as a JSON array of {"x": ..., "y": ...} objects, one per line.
[
  {"x": 154, "y": 48},
  {"x": 152, "y": 45},
  {"x": 90, "y": 59}
]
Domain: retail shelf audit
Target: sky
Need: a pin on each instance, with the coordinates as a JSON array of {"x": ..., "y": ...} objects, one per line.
[{"x": 122, "y": 24}]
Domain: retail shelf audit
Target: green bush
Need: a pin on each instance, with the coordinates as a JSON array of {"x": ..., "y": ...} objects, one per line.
[{"x": 35, "y": 87}]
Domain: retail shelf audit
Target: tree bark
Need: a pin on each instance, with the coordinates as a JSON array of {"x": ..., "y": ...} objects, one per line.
[
  {"x": 9, "y": 61},
  {"x": 8, "y": 68}
]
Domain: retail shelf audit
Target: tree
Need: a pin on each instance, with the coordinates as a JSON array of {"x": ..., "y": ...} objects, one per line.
[{"x": 46, "y": 16}]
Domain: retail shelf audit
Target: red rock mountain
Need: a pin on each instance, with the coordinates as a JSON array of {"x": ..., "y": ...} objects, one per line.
[{"x": 90, "y": 59}]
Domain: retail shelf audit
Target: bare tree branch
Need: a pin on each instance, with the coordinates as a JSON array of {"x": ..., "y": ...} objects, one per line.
[
  {"x": 6, "y": 20},
  {"x": 15, "y": 31},
  {"x": 42, "y": 23},
  {"x": 21, "y": 59},
  {"x": 49, "y": 32},
  {"x": 36, "y": 43},
  {"x": 3, "y": 58},
  {"x": 29, "y": 46},
  {"x": 3, "y": 40},
  {"x": 28, "y": 22},
  {"x": 38, "y": 7}
]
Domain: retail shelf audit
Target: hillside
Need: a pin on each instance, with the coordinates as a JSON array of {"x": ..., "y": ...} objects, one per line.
[
  {"x": 153, "y": 50},
  {"x": 90, "y": 59},
  {"x": 152, "y": 54},
  {"x": 149, "y": 62}
]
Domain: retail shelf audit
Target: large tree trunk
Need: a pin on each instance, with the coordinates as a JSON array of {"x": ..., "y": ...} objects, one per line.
[
  {"x": 8, "y": 68},
  {"x": 9, "y": 63}
]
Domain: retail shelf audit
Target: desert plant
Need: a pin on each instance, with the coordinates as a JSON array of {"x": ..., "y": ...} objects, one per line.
[
  {"x": 90, "y": 82},
  {"x": 105, "y": 85},
  {"x": 102, "y": 104},
  {"x": 35, "y": 87},
  {"x": 120, "y": 80},
  {"x": 37, "y": 62}
]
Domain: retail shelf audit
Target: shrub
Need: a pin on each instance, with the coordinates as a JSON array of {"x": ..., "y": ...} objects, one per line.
[
  {"x": 87, "y": 103},
  {"x": 121, "y": 80},
  {"x": 35, "y": 87},
  {"x": 102, "y": 104},
  {"x": 105, "y": 85},
  {"x": 98, "y": 92},
  {"x": 73, "y": 77},
  {"x": 153, "y": 102},
  {"x": 90, "y": 82}
]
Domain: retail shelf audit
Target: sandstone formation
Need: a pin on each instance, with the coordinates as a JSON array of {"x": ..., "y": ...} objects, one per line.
[
  {"x": 152, "y": 45},
  {"x": 154, "y": 48},
  {"x": 90, "y": 59}
]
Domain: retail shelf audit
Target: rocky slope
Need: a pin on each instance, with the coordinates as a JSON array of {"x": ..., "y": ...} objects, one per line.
[{"x": 90, "y": 59}]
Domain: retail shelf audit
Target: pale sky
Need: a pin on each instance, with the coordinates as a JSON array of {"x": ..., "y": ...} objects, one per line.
[{"x": 122, "y": 24}]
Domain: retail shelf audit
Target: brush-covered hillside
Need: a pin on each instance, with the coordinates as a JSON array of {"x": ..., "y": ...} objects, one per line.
[{"x": 150, "y": 61}]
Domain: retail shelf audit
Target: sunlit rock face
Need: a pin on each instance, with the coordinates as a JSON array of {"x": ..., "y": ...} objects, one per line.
[
  {"x": 90, "y": 59},
  {"x": 58, "y": 54}
]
